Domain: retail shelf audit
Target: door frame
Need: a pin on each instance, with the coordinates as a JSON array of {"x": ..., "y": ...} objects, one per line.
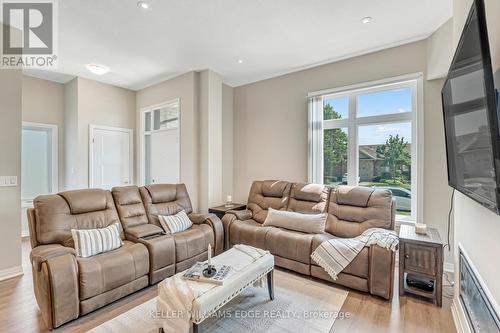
[
  {"x": 141, "y": 154},
  {"x": 54, "y": 161},
  {"x": 130, "y": 131}
]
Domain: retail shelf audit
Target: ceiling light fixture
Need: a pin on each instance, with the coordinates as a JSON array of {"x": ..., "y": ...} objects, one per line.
[
  {"x": 143, "y": 5},
  {"x": 366, "y": 19},
  {"x": 97, "y": 69},
  {"x": 240, "y": 61}
]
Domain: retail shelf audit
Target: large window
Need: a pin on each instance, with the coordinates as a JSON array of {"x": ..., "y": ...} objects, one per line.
[{"x": 367, "y": 136}]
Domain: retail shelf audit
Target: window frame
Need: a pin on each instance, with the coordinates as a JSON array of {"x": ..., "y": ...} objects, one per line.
[
  {"x": 352, "y": 123},
  {"x": 54, "y": 157}
]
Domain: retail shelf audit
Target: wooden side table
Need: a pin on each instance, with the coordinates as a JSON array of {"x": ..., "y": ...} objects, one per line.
[
  {"x": 220, "y": 211},
  {"x": 421, "y": 255}
]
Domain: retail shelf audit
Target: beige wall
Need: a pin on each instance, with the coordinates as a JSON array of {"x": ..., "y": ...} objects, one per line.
[
  {"x": 477, "y": 228},
  {"x": 71, "y": 135},
  {"x": 227, "y": 140},
  {"x": 10, "y": 165},
  {"x": 43, "y": 102},
  {"x": 183, "y": 87},
  {"x": 440, "y": 51},
  {"x": 270, "y": 123}
]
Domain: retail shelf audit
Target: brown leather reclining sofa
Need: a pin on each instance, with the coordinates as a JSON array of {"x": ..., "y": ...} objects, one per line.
[
  {"x": 67, "y": 286},
  {"x": 350, "y": 212}
]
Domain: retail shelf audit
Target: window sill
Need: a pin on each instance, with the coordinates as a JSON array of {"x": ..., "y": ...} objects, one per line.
[{"x": 406, "y": 220}]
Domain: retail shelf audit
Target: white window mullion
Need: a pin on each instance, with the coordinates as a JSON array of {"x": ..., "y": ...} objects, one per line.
[{"x": 352, "y": 163}]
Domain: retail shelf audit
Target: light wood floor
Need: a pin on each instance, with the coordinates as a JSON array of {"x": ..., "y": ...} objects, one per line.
[{"x": 19, "y": 311}]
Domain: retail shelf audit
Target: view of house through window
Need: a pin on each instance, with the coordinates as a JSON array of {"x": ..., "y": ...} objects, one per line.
[{"x": 368, "y": 132}]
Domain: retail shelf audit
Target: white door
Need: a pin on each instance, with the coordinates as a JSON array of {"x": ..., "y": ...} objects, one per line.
[
  {"x": 165, "y": 157},
  {"x": 111, "y": 157}
]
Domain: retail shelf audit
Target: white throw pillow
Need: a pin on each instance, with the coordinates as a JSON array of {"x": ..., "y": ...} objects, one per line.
[
  {"x": 89, "y": 242},
  {"x": 175, "y": 223},
  {"x": 308, "y": 223}
]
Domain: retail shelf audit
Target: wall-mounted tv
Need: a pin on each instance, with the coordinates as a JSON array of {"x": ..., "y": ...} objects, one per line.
[{"x": 471, "y": 117}]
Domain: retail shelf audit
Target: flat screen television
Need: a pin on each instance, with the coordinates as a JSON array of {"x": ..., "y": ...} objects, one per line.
[{"x": 470, "y": 115}]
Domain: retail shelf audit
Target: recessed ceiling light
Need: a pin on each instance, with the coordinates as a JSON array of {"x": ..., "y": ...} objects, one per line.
[
  {"x": 143, "y": 5},
  {"x": 97, "y": 69},
  {"x": 240, "y": 61},
  {"x": 366, "y": 19}
]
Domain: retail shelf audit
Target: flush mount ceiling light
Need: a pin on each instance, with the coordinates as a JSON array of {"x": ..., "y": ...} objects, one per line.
[
  {"x": 239, "y": 61},
  {"x": 97, "y": 69},
  {"x": 143, "y": 5},
  {"x": 366, "y": 19}
]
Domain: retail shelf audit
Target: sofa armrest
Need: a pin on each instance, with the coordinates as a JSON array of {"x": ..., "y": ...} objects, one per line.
[
  {"x": 381, "y": 274},
  {"x": 143, "y": 231},
  {"x": 56, "y": 283},
  {"x": 42, "y": 253},
  {"x": 215, "y": 223},
  {"x": 242, "y": 215}
]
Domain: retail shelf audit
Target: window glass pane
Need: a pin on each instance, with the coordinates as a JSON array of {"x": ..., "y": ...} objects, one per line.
[
  {"x": 335, "y": 156},
  {"x": 147, "y": 160},
  {"x": 337, "y": 108},
  {"x": 36, "y": 177},
  {"x": 385, "y": 160},
  {"x": 385, "y": 102},
  {"x": 147, "y": 124},
  {"x": 169, "y": 117}
]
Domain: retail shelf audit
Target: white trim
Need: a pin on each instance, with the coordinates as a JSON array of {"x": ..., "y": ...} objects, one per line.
[
  {"x": 352, "y": 123},
  {"x": 141, "y": 153},
  {"x": 10, "y": 273},
  {"x": 54, "y": 163},
  {"x": 459, "y": 316},
  {"x": 130, "y": 131}
]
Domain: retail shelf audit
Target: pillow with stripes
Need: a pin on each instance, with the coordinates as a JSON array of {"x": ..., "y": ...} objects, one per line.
[
  {"x": 175, "y": 223},
  {"x": 89, "y": 242}
]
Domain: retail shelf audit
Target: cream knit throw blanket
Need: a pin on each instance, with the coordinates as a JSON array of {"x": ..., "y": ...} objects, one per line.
[{"x": 335, "y": 254}]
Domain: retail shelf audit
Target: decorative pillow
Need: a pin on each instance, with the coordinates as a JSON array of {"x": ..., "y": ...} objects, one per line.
[
  {"x": 175, "y": 223},
  {"x": 308, "y": 223},
  {"x": 89, "y": 242}
]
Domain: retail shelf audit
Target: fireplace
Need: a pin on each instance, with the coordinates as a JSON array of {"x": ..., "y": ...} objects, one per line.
[{"x": 476, "y": 304}]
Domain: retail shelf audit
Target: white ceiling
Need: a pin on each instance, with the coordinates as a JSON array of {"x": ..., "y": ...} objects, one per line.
[{"x": 272, "y": 37}]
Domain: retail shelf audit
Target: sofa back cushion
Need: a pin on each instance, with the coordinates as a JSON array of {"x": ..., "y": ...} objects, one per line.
[
  {"x": 129, "y": 206},
  {"x": 265, "y": 194},
  {"x": 308, "y": 198},
  {"x": 307, "y": 223},
  {"x": 165, "y": 199},
  {"x": 352, "y": 210},
  {"x": 57, "y": 214}
]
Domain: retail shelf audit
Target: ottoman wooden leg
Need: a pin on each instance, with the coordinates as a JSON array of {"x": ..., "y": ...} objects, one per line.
[{"x": 270, "y": 284}]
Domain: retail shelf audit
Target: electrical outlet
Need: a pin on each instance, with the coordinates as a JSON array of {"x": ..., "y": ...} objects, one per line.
[{"x": 10, "y": 181}]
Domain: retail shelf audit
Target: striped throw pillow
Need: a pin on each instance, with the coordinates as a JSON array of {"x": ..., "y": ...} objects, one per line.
[
  {"x": 175, "y": 223},
  {"x": 90, "y": 242}
]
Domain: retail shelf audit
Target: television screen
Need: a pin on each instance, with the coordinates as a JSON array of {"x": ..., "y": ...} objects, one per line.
[{"x": 471, "y": 124}]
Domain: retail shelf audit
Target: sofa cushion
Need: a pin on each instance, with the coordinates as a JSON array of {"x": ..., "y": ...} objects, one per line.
[
  {"x": 129, "y": 206},
  {"x": 54, "y": 217},
  {"x": 165, "y": 199},
  {"x": 267, "y": 194},
  {"x": 358, "y": 267},
  {"x": 110, "y": 270},
  {"x": 248, "y": 232},
  {"x": 349, "y": 216},
  {"x": 193, "y": 241},
  {"x": 308, "y": 198},
  {"x": 289, "y": 244},
  {"x": 89, "y": 242},
  {"x": 307, "y": 223}
]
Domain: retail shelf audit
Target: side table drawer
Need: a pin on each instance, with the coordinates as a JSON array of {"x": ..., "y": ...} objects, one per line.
[{"x": 420, "y": 258}]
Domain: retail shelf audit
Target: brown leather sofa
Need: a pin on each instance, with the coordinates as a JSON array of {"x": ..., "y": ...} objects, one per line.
[
  {"x": 350, "y": 212},
  {"x": 67, "y": 286}
]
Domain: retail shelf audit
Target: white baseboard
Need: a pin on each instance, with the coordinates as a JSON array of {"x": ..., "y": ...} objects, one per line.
[
  {"x": 459, "y": 317},
  {"x": 9, "y": 273}
]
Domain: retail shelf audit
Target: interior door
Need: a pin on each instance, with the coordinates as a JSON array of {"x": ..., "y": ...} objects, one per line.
[
  {"x": 165, "y": 157},
  {"x": 111, "y": 157}
]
